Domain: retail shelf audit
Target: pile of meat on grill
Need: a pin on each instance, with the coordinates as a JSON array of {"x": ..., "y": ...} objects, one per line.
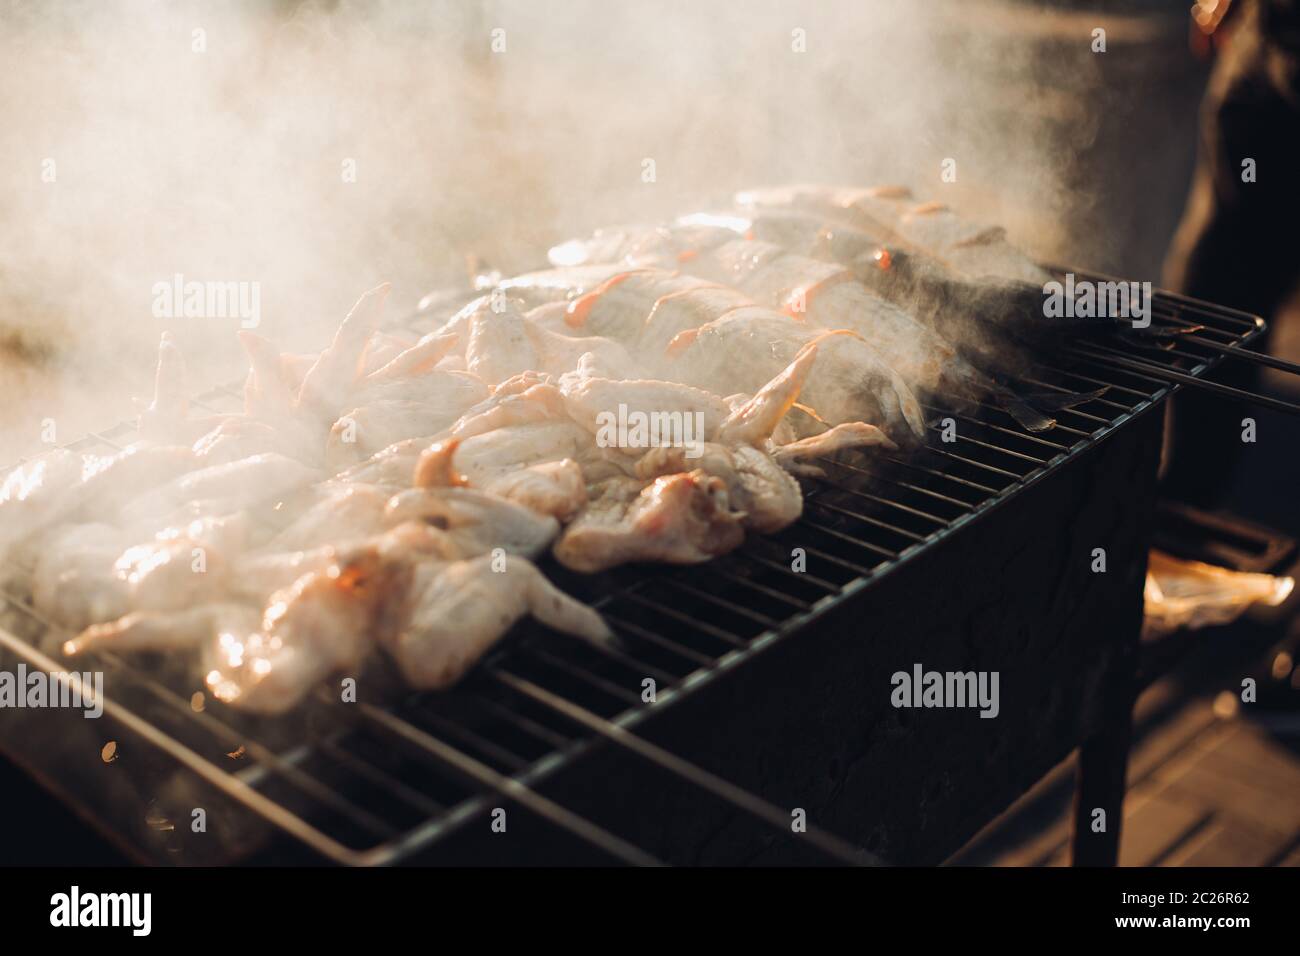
[{"x": 416, "y": 481}]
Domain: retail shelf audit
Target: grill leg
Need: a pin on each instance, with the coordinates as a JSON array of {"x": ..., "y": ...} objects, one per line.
[{"x": 1102, "y": 769}]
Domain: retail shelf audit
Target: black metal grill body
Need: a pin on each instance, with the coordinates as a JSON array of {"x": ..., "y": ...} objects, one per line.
[{"x": 970, "y": 556}]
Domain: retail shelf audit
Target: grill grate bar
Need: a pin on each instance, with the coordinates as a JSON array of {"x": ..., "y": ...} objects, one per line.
[
  {"x": 1135, "y": 369},
  {"x": 576, "y": 672},
  {"x": 1160, "y": 374},
  {"x": 830, "y": 845},
  {"x": 1176, "y": 303},
  {"x": 388, "y": 782},
  {"x": 1036, "y": 462},
  {"x": 1091, "y": 381},
  {"x": 228, "y": 783},
  {"x": 529, "y": 726},
  {"x": 627, "y": 627},
  {"x": 725, "y": 636},
  {"x": 1118, "y": 395},
  {"x": 992, "y": 469},
  {"x": 1134, "y": 344},
  {"x": 751, "y": 585},
  {"x": 936, "y": 473},
  {"x": 938, "y": 496},
  {"x": 1035, "y": 439},
  {"x": 507, "y": 786},
  {"x": 760, "y": 619},
  {"x": 1170, "y": 354},
  {"x": 857, "y": 542},
  {"x": 803, "y": 577},
  {"x": 1199, "y": 332},
  {"x": 855, "y": 516},
  {"x": 883, "y": 502},
  {"x": 266, "y": 758},
  {"x": 458, "y": 733},
  {"x": 627, "y": 660}
]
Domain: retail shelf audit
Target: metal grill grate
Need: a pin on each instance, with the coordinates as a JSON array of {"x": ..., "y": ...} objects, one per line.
[{"x": 365, "y": 784}]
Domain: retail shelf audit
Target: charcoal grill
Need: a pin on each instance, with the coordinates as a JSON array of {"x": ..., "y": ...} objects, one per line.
[{"x": 771, "y": 685}]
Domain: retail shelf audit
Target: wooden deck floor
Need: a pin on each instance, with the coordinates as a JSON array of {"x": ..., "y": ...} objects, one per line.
[
  {"x": 1230, "y": 798},
  {"x": 1212, "y": 781}
]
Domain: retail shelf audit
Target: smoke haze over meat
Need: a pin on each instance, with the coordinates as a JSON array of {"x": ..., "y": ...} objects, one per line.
[{"x": 230, "y": 164}]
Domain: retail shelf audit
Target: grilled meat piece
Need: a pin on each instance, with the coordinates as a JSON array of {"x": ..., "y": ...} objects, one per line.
[
  {"x": 422, "y": 545},
  {"x": 226, "y": 488},
  {"x": 477, "y": 522},
  {"x": 970, "y": 249},
  {"x": 850, "y": 384},
  {"x": 683, "y": 518},
  {"x": 764, "y": 495},
  {"x": 657, "y": 314},
  {"x": 826, "y": 293},
  {"x": 461, "y": 608},
  {"x": 167, "y": 630},
  {"x": 62, "y": 484},
  {"x": 344, "y": 512},
  {"x": 555, "y": 488}
]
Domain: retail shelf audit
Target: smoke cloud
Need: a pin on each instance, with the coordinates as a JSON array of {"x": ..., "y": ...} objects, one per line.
[{"x": 318, "y": 148}]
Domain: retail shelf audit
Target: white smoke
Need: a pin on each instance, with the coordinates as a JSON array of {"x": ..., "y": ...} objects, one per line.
[{"x": 318, "y": 148}]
